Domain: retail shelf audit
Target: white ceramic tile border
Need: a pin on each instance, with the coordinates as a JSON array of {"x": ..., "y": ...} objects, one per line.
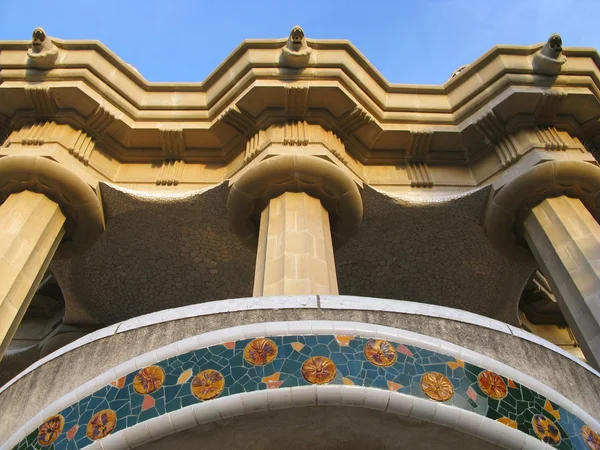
[
  {"x": 303, "y": 394},
  {"x": 301, "y": 302}
]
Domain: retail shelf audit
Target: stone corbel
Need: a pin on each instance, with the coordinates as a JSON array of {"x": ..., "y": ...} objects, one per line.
[
  {"x": 549, "y": 60},
  {"x": 43, "y": 53},
  {"x": 296, "y": 52}
]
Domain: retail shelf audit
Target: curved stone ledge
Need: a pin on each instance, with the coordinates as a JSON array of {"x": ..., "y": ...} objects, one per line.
[
  {"x": 294, "y": 173},
  {"x": 365, "y": 366},
  {"x": 549, "y": 179},
  {"x": 84, "y": 359},
  {"x": 77, "y": 200}
]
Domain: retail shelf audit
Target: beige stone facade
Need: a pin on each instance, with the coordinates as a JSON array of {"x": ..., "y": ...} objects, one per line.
[{"x": 295, "y": 171}]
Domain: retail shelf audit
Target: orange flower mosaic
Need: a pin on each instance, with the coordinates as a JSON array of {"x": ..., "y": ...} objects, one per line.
[
  {"x": 437, "y": 387},
  {"x": 208, "y": 384},
  {"x": 318, "y": 370},
  {"x": 50, "y": 429},
  {"x": 260, "y": 351},
  {"x": 545, "y": 429},
  {"x": 148, "y": 380},
  {"x": 590, "y": 437},
  {"x": 492, "y": 384},
  {"x": 380, "y": 352},
  {"x": 101, "y": 424}
]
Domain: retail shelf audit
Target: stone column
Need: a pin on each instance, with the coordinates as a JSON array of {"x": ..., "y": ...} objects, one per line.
[
  {"x": 31, "y": 227},
  {"x": 565, "y": 240},
  {"x": 295, "y": 250}
]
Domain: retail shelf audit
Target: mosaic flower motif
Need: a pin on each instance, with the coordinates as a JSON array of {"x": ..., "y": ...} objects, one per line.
[
  {"x": 492, "y": 384},
  {"x": 380, "y": 352},
  {"x": 590, "y": 437},
  {"x": 208, "y": 384},
  {"x": 260, "y": 351},
  {"x": 545, "y": 429},
  {"x": 101, "y": 424},
  {"x": 50, "y": 429},
  {"x": 148, "y": 380},
  {"x": 437, "y": 387},
  {"x": 318, "y": 370}
]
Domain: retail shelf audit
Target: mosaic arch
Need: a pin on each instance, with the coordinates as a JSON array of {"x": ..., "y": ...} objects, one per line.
[{"x": 290, "y": 361}]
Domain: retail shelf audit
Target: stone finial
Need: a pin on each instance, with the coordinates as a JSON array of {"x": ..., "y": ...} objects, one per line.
[
  {"x": 296, "y": 52},
  {"x": 549, "y": 59},
  {"x": 43, "y": 53},
  {"x": 459, "y": 70}
]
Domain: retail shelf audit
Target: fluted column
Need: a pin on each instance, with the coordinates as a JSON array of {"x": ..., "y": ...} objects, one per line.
[
  {"x": 295, "y": 251},
  {"x": 42, "y": 205},
  {"x": 565, "y": 240},
  {"x": 31, "y": 227}
]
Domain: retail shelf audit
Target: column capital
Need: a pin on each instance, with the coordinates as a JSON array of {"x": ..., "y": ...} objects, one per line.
[
  {"x": 77, "y": 200},
  {"x": 251, "y": 193},
  {"x": 507, "y": 207}
]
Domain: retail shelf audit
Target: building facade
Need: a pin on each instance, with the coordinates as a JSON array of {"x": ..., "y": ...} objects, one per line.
[{"x": 297, "y": 252}]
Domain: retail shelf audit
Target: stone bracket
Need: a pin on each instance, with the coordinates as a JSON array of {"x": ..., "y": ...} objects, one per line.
[
  {"x": 549, "y": 104},
  {"x": 550, "y": 137},
  {"x": 170, "y": 172},
  {"x": 239, "y": 120},
  {"x": 295, "y": 101},
  {"x": 100, "y": 120},
  {"x": 42, "y": 100},
  {"x": 351, "y": 121},
  {"x": 419, "y": 144},
  {"x": 418, "y": 174},
  {"x": 82, "y": 147},
  {"x": 172, "y": 142},
  {"x": 507, "y": 151}
]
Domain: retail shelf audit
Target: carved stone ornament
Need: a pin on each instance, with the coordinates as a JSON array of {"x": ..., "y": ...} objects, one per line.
[
  {"x": 549, "y": 59},
  {"x": 296, "y": 52},
  {"x": 43, "y": 53}
]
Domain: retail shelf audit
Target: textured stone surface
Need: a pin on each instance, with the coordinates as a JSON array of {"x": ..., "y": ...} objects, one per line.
[
  {"x": 295, "y": 252},
  {"x": 31, "y": 394},
  {"x": 565, "y": 239},
  {"x": 161, "y": 252},
  {"x": 362, "y": 429},
  {"x": 430, "y": 249},
  {"x": 31, "y": 227}
]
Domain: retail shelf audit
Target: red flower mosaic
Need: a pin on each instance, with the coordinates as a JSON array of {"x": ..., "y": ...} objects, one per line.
[
  {"x": 101, "y": 424},
  {"x": 492, "y": 384},
  {"x": 380, "y": 352},
  {"x": 260, "y": 351},
  {"x": 318, "y": 370},
  {"x": 50, "y": 429}
]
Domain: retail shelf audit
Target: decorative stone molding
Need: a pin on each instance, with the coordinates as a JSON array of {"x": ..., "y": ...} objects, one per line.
[
  {"x": 550, "y": 103},
  {"x": 490, "y": 127},
  {"x": 100, "y": 120},
  {"x": 418, "y": 174},
  {"x": 82, "y": 147},
  {"x": 506, "y": 208},
  {"x": 35, "y": 134},
  {"x": 43, "y": 53},
  {"x": 354, "y": 119},
  {"x": 172, "y": 142},
  {"x": 296, "y": 133},
  {"x": 4, "y": 128},
  {"x": 506, "y": 150},
  {"x": 170, "y": 172},
  {"x": 296, "y": 101},
  {"x": 419, "y": 144},
  {"x": 42, "y": 100},
  {"x": 294, "y": 173},
  {"x": 239, "y": 120},
  {"x": 550, "y": 137},
  {"x": 77, "y": 200},
  {"x": 549, "y": 60},
  {"x": 296, "y": 52}
]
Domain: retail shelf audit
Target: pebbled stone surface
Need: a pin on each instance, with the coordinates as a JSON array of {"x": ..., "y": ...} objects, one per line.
[{"x": 169, "y": 250}]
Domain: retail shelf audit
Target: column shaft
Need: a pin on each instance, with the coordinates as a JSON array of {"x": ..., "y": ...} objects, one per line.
[
  {"x": 31, "y": 227},
  {"x": 565, "y": 240},
  {"x": 295, "y": 252}
]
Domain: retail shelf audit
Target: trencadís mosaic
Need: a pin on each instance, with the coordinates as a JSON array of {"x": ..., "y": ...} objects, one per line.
[{"x": 288, "y": 361}]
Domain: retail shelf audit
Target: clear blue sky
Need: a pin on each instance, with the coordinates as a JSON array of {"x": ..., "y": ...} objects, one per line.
[{"x": 418, "y": 41}]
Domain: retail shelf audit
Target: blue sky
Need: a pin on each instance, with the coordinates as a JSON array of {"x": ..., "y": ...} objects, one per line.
[{"x": 420, "y": 42}]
